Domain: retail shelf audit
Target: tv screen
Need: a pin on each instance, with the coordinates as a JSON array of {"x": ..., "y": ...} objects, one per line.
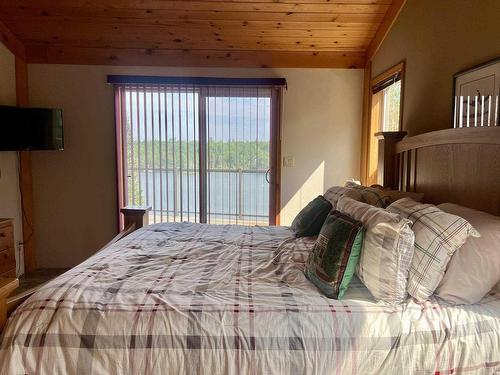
[{"x": 30, "y": 129}]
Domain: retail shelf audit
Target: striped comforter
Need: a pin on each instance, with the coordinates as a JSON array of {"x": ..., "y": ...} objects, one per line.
[{"x": 203, "y": 299}]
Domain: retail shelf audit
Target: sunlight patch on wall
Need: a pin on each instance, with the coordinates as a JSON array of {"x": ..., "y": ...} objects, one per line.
[{"x": 310, "y": 189}]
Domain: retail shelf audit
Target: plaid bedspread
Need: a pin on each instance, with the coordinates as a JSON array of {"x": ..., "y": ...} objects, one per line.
[{"x": 202, "y": 299}]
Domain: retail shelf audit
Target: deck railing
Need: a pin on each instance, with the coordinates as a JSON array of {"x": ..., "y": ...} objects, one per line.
[{"x": 158, "y": 210}]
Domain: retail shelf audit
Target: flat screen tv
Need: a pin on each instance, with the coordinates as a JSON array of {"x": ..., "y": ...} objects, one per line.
[{"x": 24, "y": 129}]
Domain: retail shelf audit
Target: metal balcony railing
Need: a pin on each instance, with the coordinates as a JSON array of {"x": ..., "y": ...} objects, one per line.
[{"x": 174, "y": 193}]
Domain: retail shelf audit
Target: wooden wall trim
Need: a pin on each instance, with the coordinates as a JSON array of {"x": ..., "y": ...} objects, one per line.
[
  {"x": 365, "y": 126},
  {"x": 21, "y": 81},
  {"x": 385, "y": 27},
  {"x": 481, "y": 135},
  {"x": 12, "y": 42},
  {"x": 368, "y": 153},
  {"x": 276, "y": 159},
  {"x": 25, "y": 176},
  {"x": 47, "y": 54}
]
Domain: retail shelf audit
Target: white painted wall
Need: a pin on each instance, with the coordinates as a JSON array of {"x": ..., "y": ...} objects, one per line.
[
  {"x": 75, "y": 190},
  {"x": 10, "y": 197}
]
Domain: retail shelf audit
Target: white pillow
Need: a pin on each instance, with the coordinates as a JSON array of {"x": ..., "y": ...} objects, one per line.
[
  {"x": 437, "y": 236},
  {"x": 475, "y": 268},
  {"x": 387, "y": 250}
]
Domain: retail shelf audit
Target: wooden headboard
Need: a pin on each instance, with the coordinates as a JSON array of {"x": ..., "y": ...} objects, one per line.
[{"x": 460, "y": 166}]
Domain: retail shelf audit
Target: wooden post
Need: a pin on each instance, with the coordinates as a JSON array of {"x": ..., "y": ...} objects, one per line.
[
  {"x": 138, "y": 215},
  {"x": 386, "y": 158},
  {"x": 25, "y": 177}
]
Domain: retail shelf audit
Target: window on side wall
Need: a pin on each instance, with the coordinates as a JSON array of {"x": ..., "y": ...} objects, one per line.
[{"x": 386, "y": 92}]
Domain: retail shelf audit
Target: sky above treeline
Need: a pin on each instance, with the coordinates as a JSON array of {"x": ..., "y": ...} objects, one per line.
[{"x": 174, "y": 115}]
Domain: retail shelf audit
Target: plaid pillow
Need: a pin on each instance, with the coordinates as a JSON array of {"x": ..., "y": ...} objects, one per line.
[
  {"x": 437, "y": 236},
  {"x": 333, "y": 194},
  {"x": 333, "y": 260},
  {"x": 379, "y": 197},
  {"x": 387, "y": 250},
  {"x": 311, "y": 218}
]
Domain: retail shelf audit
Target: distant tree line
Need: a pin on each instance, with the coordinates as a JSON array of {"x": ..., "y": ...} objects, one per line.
[
  {"x": 185, "y": 154},
  {"x": 172, "y": 154}
]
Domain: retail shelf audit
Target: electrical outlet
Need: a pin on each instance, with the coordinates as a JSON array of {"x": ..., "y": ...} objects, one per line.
[{"x": 288, "y": 161}]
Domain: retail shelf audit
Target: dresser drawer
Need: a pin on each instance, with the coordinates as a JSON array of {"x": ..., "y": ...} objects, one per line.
[
  {"x": 7, "y": 260},
  {"x": 6, "y": 236}
]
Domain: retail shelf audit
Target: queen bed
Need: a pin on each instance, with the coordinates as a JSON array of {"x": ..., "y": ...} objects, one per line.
[{"x": 223, "y": 299}]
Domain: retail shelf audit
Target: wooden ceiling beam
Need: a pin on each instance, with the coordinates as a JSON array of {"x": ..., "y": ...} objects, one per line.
[
  {"x": 194, "y": 58},
  {"x": 10, "y": 11},
  {"x": 385, "y": 27},
  {"x": 12, "y": 42},
  {"x": 370, "y": 2},
  {"x": 150, "y": 6},
  {"x": 242, "y": 44},
  {"x": 33, "y": 24},
  {"x": 193, "y": 36}
]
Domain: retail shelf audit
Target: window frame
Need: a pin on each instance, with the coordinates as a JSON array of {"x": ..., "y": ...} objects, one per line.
[
  {"x": 369, "y": 144},
  {"x": 276, "y": 87},
  {"x": 398, "y": 69}
]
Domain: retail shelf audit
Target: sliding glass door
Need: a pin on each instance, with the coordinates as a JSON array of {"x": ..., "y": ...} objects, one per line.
[
  {"x": 238, "y": 124},
  {"x": 199, "y": 153}
]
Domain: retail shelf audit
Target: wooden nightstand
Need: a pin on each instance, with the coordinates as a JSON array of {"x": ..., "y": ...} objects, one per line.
[{"x": 7, "y": 249}]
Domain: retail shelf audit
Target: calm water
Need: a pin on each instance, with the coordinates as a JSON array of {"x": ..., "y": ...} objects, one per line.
[{"x": 176, "y": 198}]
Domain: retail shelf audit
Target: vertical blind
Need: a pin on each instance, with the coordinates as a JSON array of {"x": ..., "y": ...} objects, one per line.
[
  {"x": 160, "y": 141},
  {"x": 238, "y": 149},
  {"x": 197, "y": 152}
]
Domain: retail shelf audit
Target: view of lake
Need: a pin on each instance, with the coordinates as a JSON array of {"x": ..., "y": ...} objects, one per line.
[
  {"x": 168, "y": 130},
  {"x": 233, "y": 197}
]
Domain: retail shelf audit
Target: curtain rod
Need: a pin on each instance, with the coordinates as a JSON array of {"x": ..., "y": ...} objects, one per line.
[{"x": 202, "y": 81}]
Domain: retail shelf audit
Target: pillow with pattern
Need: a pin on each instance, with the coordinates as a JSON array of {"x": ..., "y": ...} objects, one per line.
[
  {"x": 379, "y": 197},
  {"x": 311, "y": 218},
  {"x": 387, "y": 250},
  {"x": 334, "y": 193},
  {"x": 333, "y": 260},
  {"x": 437, "y": 236}
]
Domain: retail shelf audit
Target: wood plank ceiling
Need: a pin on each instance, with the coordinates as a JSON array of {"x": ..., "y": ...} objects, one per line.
[{"x": 243, "y": 33}]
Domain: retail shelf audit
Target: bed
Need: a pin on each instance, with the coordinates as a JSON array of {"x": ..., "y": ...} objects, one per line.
[
  {"x": 207, "y": 299},
  {"x": 186, "y": 298}
]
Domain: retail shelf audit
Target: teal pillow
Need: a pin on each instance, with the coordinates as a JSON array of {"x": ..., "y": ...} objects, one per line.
[
  {"x": 333, "y": 260},
  {"x": 310, "y": 220}
]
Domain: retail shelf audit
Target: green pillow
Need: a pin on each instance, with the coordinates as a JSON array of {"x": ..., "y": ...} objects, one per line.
[
  {"x": 310, "y": 220},
  {"x": 333, "y": 260}
]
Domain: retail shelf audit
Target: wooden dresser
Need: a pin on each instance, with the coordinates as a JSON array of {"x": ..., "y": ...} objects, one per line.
[{"x": 7, "y": 249}]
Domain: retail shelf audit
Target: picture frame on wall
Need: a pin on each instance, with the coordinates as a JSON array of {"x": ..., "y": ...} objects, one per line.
[{"x": 476, "y": 96}]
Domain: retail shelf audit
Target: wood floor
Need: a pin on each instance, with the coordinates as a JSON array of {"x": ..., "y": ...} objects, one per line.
[{"x": 37, "y": 277}]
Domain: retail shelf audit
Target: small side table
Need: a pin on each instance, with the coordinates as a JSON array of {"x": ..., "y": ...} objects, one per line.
[{"x": 138, "y": 215}]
